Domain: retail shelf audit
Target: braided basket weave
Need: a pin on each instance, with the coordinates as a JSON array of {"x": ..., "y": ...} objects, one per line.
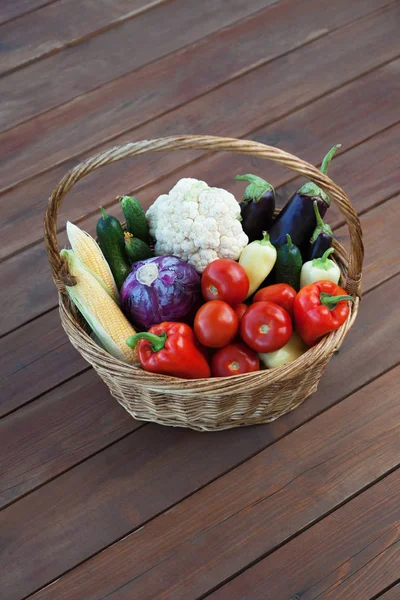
[{"x": 216, "y": 403}]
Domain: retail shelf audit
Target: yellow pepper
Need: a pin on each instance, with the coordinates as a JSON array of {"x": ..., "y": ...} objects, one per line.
[
  {"x": 290, "y": 351},
  {"x": 258, "y": 259}
]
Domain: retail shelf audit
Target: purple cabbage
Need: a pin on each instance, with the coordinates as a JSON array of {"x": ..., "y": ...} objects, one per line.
[{"x": 161, "y": 288}]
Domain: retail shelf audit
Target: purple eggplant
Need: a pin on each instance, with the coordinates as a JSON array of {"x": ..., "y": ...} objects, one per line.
[
  {"x": 297, "y": 218},
  {"x": 322, "y": 238},
  {"x": 257, "y": 206},
  {"x": 320, "y": 246}
]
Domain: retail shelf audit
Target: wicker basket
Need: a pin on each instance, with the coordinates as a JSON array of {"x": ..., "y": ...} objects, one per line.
[{"x": 217, "y": 403}]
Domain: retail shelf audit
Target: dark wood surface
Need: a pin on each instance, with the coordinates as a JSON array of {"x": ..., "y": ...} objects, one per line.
[{"x": 95, "y": 505}]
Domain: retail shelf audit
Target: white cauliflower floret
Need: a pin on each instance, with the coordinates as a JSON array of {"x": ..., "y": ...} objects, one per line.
[{"x": 197, "y": 223}]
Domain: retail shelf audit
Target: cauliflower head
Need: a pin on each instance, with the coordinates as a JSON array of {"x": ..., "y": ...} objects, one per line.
[{"x": 197, "y": 223}]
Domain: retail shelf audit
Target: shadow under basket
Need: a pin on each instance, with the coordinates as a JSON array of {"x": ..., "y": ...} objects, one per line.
[{"x": 216, "y": 403}]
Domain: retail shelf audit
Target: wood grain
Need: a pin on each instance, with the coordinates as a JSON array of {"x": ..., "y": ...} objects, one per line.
[
  {"x": 127, "y": 102},
  {"x": 35, "y": 358},
  {"x": 10, "y": 9},
  {"x": 25, "y": 205},
  {"x": 382, "y": 570},
  {"x": 116, "y": 490},
  {"x": 392, "y": 594},
  {"x": 97, "y": 60},
  {"x": 381, "y": 260},
  {"x": 81, "y": 413},
  {"x": 57, "y": 26},
  {"x": 32, "y": 297},
  {"x": 231, "y": 522},
  {"x": 348, "y": 550}
]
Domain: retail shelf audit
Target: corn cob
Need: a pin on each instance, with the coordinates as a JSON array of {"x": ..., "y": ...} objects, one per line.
[
  {"x": 89, "y": 252},
  {"x": 102, "y": 313}
]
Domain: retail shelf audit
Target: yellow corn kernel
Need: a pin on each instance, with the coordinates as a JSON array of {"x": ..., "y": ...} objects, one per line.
[
  {"x": 100, "y": 310},
  {"x": 88, "y": 251}
]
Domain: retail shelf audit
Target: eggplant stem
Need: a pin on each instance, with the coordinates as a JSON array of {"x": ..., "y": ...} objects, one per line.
[
  {"x": 320, "y": 222},
  {"x": 256, "y": 189},
  {"x": 328, "y": 158}
]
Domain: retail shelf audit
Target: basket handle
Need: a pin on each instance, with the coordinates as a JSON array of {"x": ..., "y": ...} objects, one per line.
[{"x": 59, "y": 267}]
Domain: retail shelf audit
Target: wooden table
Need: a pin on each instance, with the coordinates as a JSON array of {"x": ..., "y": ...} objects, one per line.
[{"x": 96, "y": 505}]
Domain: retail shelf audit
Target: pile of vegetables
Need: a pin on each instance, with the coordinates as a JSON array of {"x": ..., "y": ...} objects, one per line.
[{"x": 202, "y": 285}]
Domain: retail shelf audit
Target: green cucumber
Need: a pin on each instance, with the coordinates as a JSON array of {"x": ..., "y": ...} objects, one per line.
[
  {"x": 288, "y": 264},
  {"x": 135, "y": 248},
  {"x": 135, "y": 218},
  {"x": 110, "y": 237}
]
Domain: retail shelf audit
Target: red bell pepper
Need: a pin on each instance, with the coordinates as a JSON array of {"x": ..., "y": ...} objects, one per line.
[
  {"x": 320, "y": 308},
  {"x": 170, "y": 349}
]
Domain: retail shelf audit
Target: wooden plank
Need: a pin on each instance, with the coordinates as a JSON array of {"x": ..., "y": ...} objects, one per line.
[
  {"x": 23, "y": 207},
  {"x": 392, "y": 594},
  {"x": 35, "y": 358},
  {"x": 57, "y": 26},
  {"x": 224, "y": 526},
  {"x": 372, "y": 577},
  {"x": 156, "y": 467},
  {"x": 348, "y": 550},
  {"x": 106, "y": 112},
  {"x": 378, "y": 265},
  {"x": 58, "y": 431},
  {"x": 32, "y": 297},
  {"x": 10, "y": 9},
  {"x": 98, "y": 60}
]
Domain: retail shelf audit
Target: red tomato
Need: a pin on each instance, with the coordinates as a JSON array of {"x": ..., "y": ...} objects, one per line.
[
  {"x": 216, "y": 324},
  {"x": 265, "y": 327},
  {"x": 280, "y": 293},
  {"x": 234, "y": 359},
  {"x": 225, "y": 279},
  {"x": 240, "y": 309}
]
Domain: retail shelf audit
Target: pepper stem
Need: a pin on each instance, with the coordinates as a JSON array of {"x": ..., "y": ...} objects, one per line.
[
  {"x": 327, "y": 253},
  {"x": 328, "y": 158},
  {"x": 289, "y": 240},
  {"x": 157, "y": 341},
  {"x": 103, "y": 212},
  {"x": 323, "y": 263},
  {"x": 265, "y": 239},
  {"x": 331, "y": 301}
]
